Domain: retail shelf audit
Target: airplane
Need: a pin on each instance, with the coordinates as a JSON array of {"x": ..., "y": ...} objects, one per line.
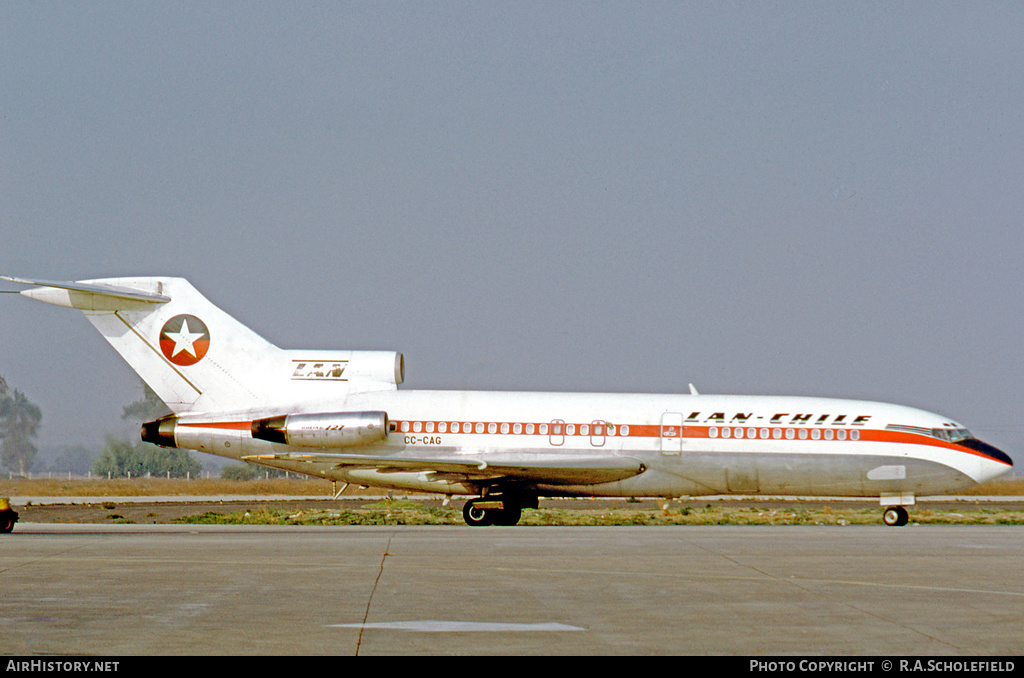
[{"x": 339, "y": 415}]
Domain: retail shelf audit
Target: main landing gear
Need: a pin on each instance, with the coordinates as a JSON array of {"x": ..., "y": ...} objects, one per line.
[
  {"x": 496, "y": 509},
  {"x": 895, "y": 516}
]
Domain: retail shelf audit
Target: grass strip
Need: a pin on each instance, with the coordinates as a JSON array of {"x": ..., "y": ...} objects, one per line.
[{"x": 413, "y": 513}]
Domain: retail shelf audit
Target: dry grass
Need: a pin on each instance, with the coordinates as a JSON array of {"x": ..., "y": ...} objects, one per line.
[
  {"x": 1008, "y": 487},
  {"x": 405, "y": 512},
  {"x": 157, "y": 487}
]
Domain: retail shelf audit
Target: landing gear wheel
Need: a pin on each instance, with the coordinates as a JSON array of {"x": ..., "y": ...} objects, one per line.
[
  {"x": 895, "y": 516},
  {"x": 509, "y": 515},
  {"x": 474, "y": 515}
]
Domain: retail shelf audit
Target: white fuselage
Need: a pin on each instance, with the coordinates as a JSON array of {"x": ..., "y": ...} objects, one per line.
[{"x": 688, "y": 444}]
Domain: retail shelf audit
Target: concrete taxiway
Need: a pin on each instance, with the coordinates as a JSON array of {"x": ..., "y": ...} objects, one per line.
[{"x": 170, "y": 589}]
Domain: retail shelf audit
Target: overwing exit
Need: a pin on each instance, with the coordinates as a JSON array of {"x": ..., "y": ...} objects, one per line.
[{"x": 340, "y": 415}]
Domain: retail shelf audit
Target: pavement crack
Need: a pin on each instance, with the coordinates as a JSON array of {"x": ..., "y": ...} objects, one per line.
[
  {"x": 49, "y": 556},
  {"x": 369, "y": 602}
]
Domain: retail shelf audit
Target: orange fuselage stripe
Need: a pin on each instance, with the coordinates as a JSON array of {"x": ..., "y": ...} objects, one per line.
[{"x": 639, "y": 431}]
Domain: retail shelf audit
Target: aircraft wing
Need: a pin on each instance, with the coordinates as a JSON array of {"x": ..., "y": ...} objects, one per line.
[{"x": 550, "y": 470}]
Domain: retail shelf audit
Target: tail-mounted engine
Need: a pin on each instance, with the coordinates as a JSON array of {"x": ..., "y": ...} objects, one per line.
[
  {"x": 323, "y": 430},
  {"x": 330, "y": 429},
  {"x": 161, "y": 431}
]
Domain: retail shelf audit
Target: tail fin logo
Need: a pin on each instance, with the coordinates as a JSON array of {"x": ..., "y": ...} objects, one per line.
[{"x": 184, "y": 340}]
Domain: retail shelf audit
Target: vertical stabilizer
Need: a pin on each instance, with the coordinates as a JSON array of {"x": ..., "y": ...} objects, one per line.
[{"x": 195, "y": 356}]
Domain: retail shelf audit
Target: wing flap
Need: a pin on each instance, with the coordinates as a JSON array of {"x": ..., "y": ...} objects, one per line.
[{"x": 560, "y": 470}]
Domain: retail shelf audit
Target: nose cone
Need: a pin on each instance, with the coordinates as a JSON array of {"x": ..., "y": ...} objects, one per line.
[
  {"x": 987, "y": 450},
  {"x": 994, "y": 462}
]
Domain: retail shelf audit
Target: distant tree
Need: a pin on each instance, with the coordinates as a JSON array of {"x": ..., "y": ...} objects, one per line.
[
  {"x": 77, "y": 459},
  {"x": 5, "y": 407},
  {"x": 239, "y": 472},
  {"x": 121, "y": 458},
  {"x": 5, "y": 401},
  {"x": 147, "y": 409},
  {"x": 19, "y": 423}
]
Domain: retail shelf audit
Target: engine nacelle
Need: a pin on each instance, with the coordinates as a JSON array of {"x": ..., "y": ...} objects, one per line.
[
  {"x": 161, "y": 431},
  {"x": 328, "y": 429}
]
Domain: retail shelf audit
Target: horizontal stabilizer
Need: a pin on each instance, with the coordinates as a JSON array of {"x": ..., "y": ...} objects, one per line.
[{"x": 89, "y": 295}]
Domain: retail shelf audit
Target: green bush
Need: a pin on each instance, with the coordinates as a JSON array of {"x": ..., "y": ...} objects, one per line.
[
  {"x": 121, "y": 458},
  {"x": 241, "y": 472}
]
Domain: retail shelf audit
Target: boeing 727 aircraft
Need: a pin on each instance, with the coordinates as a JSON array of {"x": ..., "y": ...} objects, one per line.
[{"x": 340, "y": 415}]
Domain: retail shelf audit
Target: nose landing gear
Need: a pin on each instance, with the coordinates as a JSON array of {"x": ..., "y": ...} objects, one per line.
[{"x": 895, "y": 516}]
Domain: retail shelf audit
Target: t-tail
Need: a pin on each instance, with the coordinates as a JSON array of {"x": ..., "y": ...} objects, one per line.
[{"x": 199, "y": 359}]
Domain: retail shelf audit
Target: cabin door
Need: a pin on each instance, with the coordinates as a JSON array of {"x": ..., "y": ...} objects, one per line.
[{"x": 672, "y": 433}]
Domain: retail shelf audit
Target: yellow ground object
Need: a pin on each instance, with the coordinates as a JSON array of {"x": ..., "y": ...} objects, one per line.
[{"x": 8, "y": 516}]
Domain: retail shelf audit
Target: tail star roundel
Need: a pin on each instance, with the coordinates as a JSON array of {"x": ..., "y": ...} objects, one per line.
[{"x": 184, "y": 340}]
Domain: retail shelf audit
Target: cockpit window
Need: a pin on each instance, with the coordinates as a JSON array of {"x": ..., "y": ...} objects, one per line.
[
  {"x": 956, "y": 435},
  {"x": 951, "y": 435}
]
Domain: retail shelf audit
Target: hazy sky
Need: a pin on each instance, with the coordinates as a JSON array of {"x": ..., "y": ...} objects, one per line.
[{"x": 796, "y": 198}]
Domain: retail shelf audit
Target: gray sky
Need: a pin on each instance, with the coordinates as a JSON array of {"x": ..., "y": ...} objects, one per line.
[{"x": 796, "y": 198}]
